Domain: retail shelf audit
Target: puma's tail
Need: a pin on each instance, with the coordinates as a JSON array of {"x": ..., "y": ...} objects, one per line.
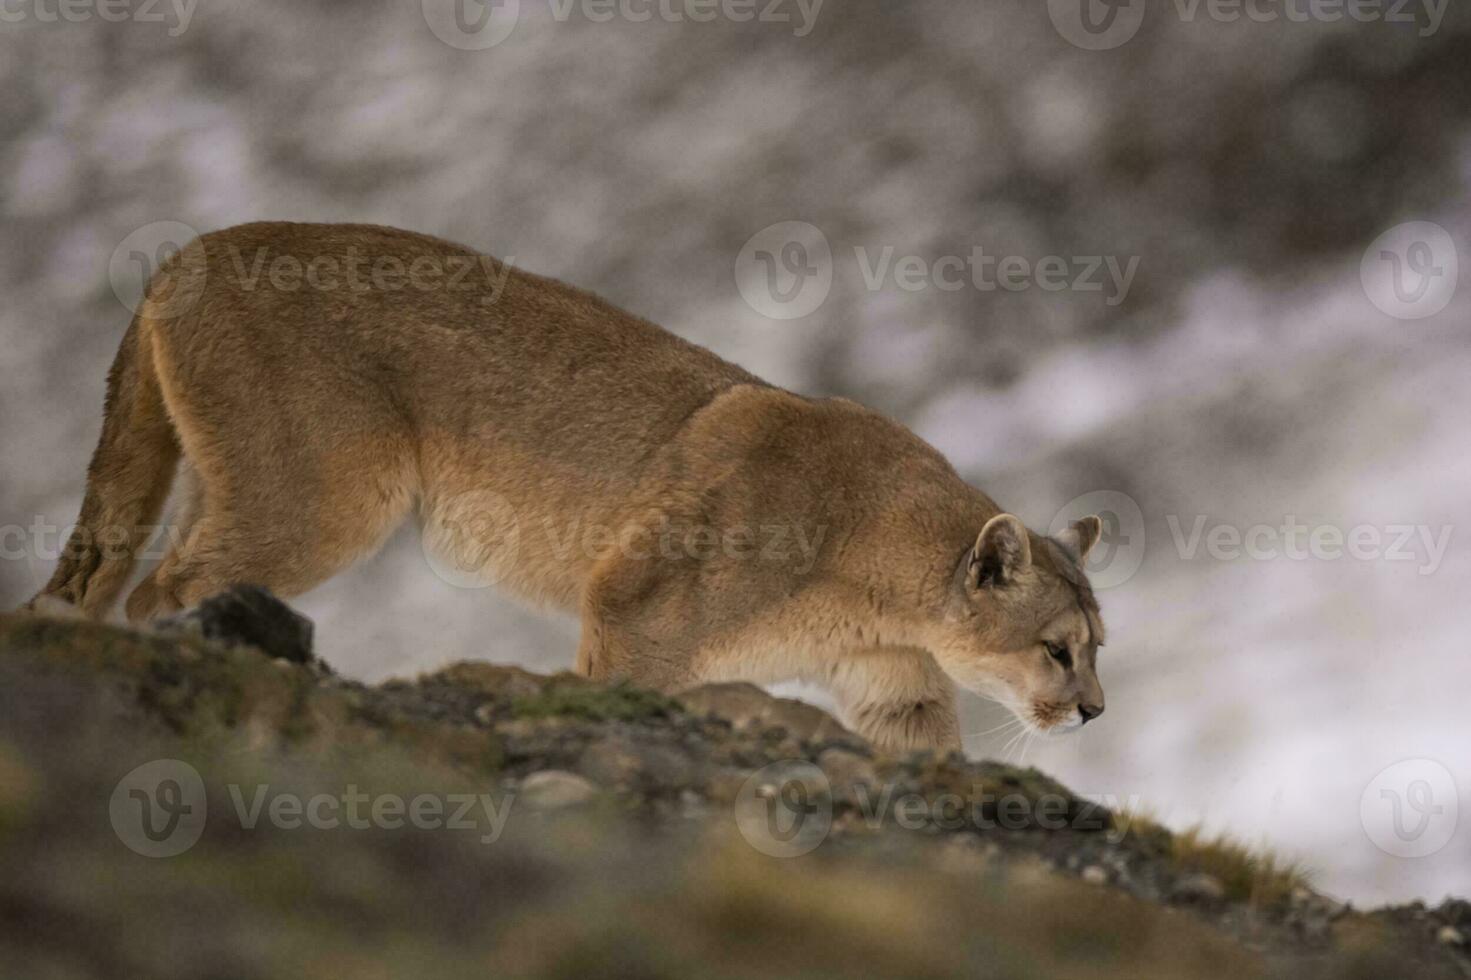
[{"x": 128, "y": 481}]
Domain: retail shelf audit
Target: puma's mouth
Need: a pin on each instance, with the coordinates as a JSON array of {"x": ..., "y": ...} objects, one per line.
[
  {"x": 1055, "y": 718},
  {"x": 1034, "y": 722}
]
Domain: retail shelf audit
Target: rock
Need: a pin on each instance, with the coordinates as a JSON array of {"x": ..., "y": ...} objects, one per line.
[
  {"x": 497, "y": 680},
  {"x": 625, "y": 762},
  {"x": 1199, "y": 887},
  {"x": 251, "y": 616},
  {"x": 555, "y": 789},
  {"x": 1450, "y": 936},
  {"x": 747, "y": 706},
  {"x": 692, "y": 804},
  {"x": 1095, "y": 875},
  {"x": 54, "y": 607},
  {"x": 848, "y": 773},
  {"x": 19, "y": 785}
]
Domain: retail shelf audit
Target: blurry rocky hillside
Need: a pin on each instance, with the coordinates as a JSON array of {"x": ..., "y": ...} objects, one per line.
[
  {"x": 1244, "y": 376},
  {"x": 179, "y": 803}
]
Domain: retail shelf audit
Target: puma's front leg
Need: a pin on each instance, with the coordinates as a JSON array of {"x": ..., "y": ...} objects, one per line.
[
  {"x": 897, "y": 698},
  {"x": 633, "y": 630}
]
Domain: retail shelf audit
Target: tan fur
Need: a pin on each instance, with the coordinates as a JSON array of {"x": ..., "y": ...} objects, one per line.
[{"x": 582, "y": 458}]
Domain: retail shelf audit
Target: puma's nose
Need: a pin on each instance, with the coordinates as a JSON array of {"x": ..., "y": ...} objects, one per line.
[{"x": 1090, "y": 711}]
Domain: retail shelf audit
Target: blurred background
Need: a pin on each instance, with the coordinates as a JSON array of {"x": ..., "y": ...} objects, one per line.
[{"x": 1217, "y": 292}]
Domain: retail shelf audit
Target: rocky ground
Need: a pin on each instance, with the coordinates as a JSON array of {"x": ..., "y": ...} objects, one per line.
[{"x": 485, "y": 820}]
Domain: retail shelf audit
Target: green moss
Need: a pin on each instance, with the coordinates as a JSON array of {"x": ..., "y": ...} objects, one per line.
[{"x": 588, "y": 702}]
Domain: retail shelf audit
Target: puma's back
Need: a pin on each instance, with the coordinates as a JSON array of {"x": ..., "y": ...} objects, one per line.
[{"x": 455, "y": 343}]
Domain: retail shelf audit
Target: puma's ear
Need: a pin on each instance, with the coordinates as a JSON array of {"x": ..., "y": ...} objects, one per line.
[
  {"x": 1002, "y": 552},
  {"x": 1080, "y": 537}
]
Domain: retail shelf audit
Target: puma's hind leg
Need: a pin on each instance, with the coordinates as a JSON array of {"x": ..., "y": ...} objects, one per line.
[{"x": 288, "y": 542}]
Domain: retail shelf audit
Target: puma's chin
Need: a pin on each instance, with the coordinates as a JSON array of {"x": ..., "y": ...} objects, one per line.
[{"x": 1065, "y": 727}]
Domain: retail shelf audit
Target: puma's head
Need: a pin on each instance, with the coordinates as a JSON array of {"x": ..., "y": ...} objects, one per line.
[{"x": 1022, "y": 626}]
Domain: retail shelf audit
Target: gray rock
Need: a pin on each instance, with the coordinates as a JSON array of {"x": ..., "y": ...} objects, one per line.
[
  {"x": 554, "y": 789},
  {"x": 622, "y": 761},
  {"x": 747, "y": 706},
  {"x": 848, "y": 773},
  {"x": 1203, "y": 888},
  {"x": 251, "y": 616}
]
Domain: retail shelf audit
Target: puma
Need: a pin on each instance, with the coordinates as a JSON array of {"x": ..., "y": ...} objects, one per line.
[{"x": 310, "y": 385}]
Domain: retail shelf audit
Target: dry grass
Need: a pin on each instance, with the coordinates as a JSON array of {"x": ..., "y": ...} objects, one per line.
[{"x": 1259, "y": 877}]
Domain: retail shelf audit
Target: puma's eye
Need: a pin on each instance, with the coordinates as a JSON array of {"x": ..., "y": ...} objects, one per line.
[{"x": 1060, "y": 654}]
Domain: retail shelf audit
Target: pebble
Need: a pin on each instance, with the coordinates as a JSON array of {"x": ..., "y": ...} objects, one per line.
[
  {"x": 1198, "y": 888},
  {"x": 1095, "y": 875},
  {"x": 554, "y": 789},
  {"x": 851, "y": 775}
]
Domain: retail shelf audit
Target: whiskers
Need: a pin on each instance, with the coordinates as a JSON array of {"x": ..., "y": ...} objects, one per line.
[
  {"x": 1019, "y": 734},
  {"x": 1009, "y": 723}
]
